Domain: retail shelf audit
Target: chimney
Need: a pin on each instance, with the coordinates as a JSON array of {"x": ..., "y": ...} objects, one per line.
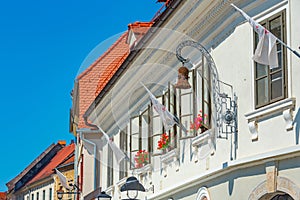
[{"x": 62, "y": 142}]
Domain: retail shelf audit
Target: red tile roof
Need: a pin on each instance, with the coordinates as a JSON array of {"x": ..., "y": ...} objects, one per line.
[
  {"x": 62, "y": 156},
  {"x": 94, "y": 78},
  {"x": 139, "y": 29},
  {"x": 2, "y": 195}
]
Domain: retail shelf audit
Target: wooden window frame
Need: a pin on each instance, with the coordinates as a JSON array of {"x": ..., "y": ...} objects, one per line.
[{"x": 269, "y": 73}]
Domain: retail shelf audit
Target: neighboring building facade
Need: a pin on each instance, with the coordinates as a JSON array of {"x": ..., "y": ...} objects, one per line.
[
  {"x": 247, "y": 146},
  {"x": 43, "y": 183}
]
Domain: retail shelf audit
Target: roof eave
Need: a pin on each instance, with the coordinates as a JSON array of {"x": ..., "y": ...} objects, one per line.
[{"x": 159, "y": 21}]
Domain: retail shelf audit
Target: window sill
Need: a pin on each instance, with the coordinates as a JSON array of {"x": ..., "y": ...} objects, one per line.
[
  {"x": 285, "y": 107},
  {"x": 203, "y": 145},
  {"x": 121, "y": 182},
  {"x": 274, "y": 108},
  {"x": 201, "y": 138},
  {"x": 110, "y": 190},
  {"x": 168, "y": 159},
  {"x": 169, "y": 156},
  {"x": 143, "y": 170}
]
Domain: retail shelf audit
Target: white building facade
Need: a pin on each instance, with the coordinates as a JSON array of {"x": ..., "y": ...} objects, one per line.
[{"x": 247, "y": 144}]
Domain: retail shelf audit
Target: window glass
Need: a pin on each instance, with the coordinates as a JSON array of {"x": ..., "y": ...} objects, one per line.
[
  {"x": 170, "y": 103},
  {"x": 262, "y": 91},
  {"x": 110, "y": 171},
  {"x": 123, "y": 146},
  {"x": 276, "y": 85},
  {"x": 186, "y": 107},
  {"x": 144, "y": 130},
  {"x": 50, "y": 194}
]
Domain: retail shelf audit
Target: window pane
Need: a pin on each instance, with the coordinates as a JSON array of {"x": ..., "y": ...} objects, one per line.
[
  {"x": 186, "y": 121},
  {"x": 156, "y": 138},
  {"x": 157, "y": 125},
  {"x": 109, "y": 166},
  {"x": 262, "y": 91},
  {"x": 134, "y": 142},
  {"x": 144, "y": 130},
  {"x": 135, "y": 125},
  {"x": 276, "y": 85},
  {"x": 261, "y": 70},
  {"x": 50, "y": 194},
  {"x": 206, "y": 114},
  {"x": 186, "y": 104},
  {"x": 123, "y": 146},
  {"x": 172, "y": 109},
  {"x": 275, "y": 27}
]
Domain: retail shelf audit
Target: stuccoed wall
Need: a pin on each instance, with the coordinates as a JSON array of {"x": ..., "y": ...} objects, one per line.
[{"x": 241, "y": 183}]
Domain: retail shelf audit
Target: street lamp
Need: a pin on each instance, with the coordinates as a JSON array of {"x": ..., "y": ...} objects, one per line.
[
  {"x": 132, "y": 184},
  {"x": 103, "y": 196},
  {"x": 60, "y": 193}
]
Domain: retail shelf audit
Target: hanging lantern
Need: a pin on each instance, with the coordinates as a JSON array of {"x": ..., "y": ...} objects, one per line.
[{"x": 183, "y": 76}]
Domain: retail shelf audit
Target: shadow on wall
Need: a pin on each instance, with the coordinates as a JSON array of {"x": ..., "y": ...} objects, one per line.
[{"x": 297, "y": 122}]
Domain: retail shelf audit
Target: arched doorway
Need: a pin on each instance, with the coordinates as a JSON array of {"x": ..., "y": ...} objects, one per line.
[
  {"x": 285, "y": 190},
  {"x": 203, "y": 194},
  {"x": 276, "y": 196}
]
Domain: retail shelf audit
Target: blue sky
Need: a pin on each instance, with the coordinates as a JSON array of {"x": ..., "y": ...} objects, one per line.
[{"x": 42, "y": 46}]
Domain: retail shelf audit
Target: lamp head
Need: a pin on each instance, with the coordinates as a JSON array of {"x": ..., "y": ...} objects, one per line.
[
  {"x": 103, "y": 196},
  {"x": 132, "y": 184}
]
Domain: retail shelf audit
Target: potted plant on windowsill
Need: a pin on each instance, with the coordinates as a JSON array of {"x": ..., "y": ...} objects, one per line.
[
  {"x": 164, "y": 143},
  {"x": 198, "y": 123},
  {"x": 141, "y": 158}
]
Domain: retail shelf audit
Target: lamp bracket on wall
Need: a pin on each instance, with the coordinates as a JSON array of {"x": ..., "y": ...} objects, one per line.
[
  {"x": 225, "y": 103},
  {"x": 73, "y": 190}
]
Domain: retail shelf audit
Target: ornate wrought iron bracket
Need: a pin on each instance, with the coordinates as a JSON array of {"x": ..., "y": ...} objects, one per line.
[{"x": 224, "y": 115}]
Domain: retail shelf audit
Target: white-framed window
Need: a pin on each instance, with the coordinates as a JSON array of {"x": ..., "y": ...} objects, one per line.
[
  {"x": 170, "y": 102},
  {"x": 140, "y": 140},
  {"x": 186, "y": 108}
]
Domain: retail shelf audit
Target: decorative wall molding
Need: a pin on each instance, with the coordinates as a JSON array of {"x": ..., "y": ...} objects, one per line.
[
  {"x": 288, "y": 118},
  {"x": 253, "y": 130},
  {"x": 266, "y": 111},
  {"x": 285, "y": 107},
  {"x": 283, "y": 185},
  {"x": 203, "y": 194}
]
